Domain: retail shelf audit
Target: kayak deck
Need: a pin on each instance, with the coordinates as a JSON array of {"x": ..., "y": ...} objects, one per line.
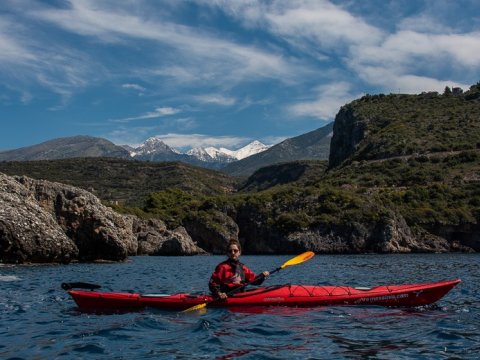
[{"x": 279, "y": 295}]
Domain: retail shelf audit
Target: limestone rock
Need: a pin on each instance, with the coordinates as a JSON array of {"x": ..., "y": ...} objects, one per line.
[
  {"x": 154, "y": 239},
  {"x": 28, "y": 233},
  {"x": 348, "y": 132},
  {"x": 97, "y": 231},
  {"x": 179, "y": 243}
]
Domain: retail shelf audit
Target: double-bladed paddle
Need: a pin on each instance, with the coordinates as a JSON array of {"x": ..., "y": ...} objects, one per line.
[{"x": 294, "y": 261}]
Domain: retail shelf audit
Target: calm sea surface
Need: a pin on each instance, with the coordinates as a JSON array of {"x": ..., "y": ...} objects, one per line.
[{"x": 38, "y": 320}]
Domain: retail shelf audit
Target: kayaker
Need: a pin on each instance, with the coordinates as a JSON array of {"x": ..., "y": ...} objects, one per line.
[{"x": 231, "y": 273}]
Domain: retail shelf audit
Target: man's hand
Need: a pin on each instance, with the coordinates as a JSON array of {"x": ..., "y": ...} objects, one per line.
[
  {"x": 265, "y": 274},
  {"x": 222, "y": 295}
]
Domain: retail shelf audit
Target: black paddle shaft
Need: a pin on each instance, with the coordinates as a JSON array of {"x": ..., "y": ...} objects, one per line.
[
  {"x": 240, "y": 288},
  {"x": 80, "y": 285}
]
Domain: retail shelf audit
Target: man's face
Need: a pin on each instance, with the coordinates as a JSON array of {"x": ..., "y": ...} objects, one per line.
[{"x": 234, "y": 252}]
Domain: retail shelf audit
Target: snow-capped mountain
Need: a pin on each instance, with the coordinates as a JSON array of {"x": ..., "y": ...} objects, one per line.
[
  {"x": 154, "y": 149},
  {"x": 153, "y": 146},
  {"x": 211, "y": 154},
  {"x": 253, "y": 148},
  {"x": 227, "y": 155}
]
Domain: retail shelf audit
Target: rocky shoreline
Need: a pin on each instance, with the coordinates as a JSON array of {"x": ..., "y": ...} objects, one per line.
[{"x": 48, "y": 222}]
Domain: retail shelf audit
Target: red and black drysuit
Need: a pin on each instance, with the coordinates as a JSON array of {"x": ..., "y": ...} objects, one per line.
[{"x": 231, "y": 274}]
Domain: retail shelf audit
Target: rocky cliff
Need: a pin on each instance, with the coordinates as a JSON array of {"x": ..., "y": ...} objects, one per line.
[
  {"x": 42, "y": 221},
  {"x": 389, "y": 235},
  {"x": 349, "y": 130}
]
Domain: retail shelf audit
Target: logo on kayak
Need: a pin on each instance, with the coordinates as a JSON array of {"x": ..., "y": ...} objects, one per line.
[
  {"x": 381, "y": 298},
  {"x": 278, "y": 298}
]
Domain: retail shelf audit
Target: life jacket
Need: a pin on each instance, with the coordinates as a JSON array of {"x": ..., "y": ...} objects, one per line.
[
  {"x": 229, "y": 275},
  {"x": 238, "y": 271}
]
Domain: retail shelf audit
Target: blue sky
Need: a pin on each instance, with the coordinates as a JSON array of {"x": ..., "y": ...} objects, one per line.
[{"x": 218, "y": 72}]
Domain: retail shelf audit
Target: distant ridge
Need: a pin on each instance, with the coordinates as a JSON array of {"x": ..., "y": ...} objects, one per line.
[
  {"x": 64, "y": 148},
  {"x": 314, "y": 145},
  {"x": 241, "y": 162}
]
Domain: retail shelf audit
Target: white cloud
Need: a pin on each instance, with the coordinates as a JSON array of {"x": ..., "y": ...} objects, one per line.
[
  {"x": 136, "y": 87},
  {"x": 423, "y": 23},
  {"x": 405, "y": 83},
  {"x": 12, "y": 47},
  {"x": 411, "y": 62},
  {"x": 408, "y": 47},
  {"x": 230, "y": 59},
  {"x": 158, "y": 112},
  {"x": 327, "y": 103},
  {"x": 308, "y": 24},
  {"x": 296, "y": 42},
  {"x": 415, "y": 55},
  {"x": 25, "y": 60},
  {"x": 325, "y": 23},
  {"x": 186, "y": 123},
  {"x": 178, "y": 73},
  {"x": 217, "y": 99}
]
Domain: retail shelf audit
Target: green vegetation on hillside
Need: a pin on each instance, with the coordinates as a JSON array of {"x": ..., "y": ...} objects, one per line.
[
  {"x": 284, "y": 173},
  {"x": 127, "y": 182},
  {"x": 418, "y": 124},
  {"x": 442, "y": 189}
]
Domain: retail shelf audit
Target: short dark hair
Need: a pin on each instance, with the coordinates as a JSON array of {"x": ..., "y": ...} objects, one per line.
[{"x": 234, "y": 242}]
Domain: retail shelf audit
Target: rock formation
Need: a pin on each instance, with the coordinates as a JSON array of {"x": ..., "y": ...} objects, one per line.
[
  {"x": 154, "y": 239},
  {"x": 42, "y": 221},
  {"x": 27, "y": 232},
  {"x": 350, "y": 130},
  {"x": 389, "y": 235}
]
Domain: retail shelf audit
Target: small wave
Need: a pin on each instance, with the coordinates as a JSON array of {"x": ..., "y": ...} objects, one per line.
[{"x": 7, "y": 278}]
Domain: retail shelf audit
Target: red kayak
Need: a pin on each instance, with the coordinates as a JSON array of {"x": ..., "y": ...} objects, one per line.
[{"x": 279, "y": 295}]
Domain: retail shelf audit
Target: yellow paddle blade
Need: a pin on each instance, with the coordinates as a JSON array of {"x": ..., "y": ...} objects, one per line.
[
  {"x": 299, "y": 259},
  {"x": 196, "y": 307}
]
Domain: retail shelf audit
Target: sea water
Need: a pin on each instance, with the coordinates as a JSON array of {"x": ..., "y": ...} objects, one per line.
[{"x": 39, "y": 320}]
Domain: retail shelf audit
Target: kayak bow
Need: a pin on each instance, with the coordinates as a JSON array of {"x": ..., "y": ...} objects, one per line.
[{"x": 278, "y": 295}]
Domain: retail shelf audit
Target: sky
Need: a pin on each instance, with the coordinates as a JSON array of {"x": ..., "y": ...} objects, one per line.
[{"x": 219, "y": 72}]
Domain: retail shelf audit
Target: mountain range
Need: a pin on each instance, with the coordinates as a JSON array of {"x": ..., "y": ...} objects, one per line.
[
  {"x": 154, "y": 149},
  {"x": 314, "y": 145},
  {"x": 241, "y": 162}
]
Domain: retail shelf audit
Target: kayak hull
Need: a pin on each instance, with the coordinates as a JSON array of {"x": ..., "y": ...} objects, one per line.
[{"x": 280, "y": 295}]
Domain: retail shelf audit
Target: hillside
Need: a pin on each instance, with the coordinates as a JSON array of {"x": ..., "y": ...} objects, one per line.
[
  {"x": 314, "y": 145},
  {"x": 404, "y": 177},
  {"x": 436, "y": 191},
  {"x": 125, "y": 181},
  {"x": 64, "y": 148},
  {"x": 284, "y": 173},
  {"x": 384, "y": 126}
]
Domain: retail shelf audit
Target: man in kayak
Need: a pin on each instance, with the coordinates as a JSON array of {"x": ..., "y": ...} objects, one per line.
[{"x": 231, "y": 273}]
